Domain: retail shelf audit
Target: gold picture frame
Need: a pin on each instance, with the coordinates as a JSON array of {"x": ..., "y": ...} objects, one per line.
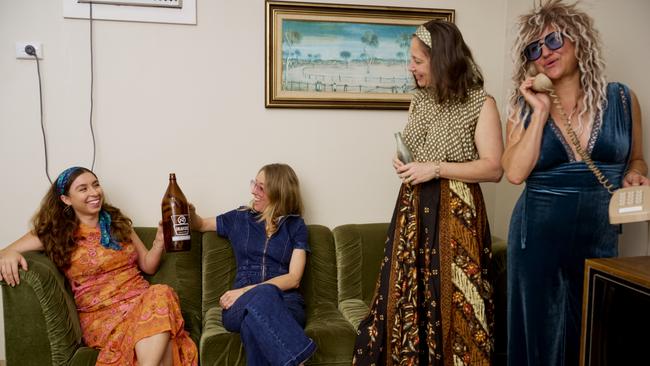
[{"x": 339, "y": 55}]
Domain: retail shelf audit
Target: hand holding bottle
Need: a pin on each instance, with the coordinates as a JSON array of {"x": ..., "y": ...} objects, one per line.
[{"x": 202, "y": 224}]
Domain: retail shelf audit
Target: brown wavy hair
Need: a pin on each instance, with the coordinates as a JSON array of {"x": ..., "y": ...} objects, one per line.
[
  {"x": 282, "y": 189},
  {"x": 453, "y": 70},
  {"x": 56, "y": 224}
]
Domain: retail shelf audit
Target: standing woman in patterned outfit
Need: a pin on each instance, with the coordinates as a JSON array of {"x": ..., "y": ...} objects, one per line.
[{"x": 433, "y": 301}]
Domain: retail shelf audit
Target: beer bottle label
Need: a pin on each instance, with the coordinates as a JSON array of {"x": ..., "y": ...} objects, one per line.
[{"x": 181, "y": 225}]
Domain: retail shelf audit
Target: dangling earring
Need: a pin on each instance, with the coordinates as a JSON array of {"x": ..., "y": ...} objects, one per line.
[{"x": 68, "y": 210}]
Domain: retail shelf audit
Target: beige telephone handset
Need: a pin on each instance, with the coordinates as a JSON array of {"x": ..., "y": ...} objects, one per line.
[
  {"x": 542, "y": 83},
  {"x": 631, "y": 204}
]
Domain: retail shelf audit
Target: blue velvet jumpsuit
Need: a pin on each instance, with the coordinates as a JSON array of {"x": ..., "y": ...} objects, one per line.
[{"x": 560, "y": 220}]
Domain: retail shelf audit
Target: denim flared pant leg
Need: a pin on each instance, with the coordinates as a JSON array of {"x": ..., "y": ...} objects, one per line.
[{"x": 270, "y": 327}]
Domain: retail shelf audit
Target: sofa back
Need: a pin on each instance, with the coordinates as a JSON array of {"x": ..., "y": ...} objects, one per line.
[
  {"x": 359, "y": 251},
  {"x": 318, "y": 282},
  {"x": 219, "y": 267}
]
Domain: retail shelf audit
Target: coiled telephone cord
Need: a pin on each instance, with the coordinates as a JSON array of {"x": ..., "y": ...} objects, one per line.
[{"x": 576, "y": 142}]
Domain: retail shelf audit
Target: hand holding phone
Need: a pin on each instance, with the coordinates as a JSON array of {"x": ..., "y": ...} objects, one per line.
[{"x": 536, "y": 91}]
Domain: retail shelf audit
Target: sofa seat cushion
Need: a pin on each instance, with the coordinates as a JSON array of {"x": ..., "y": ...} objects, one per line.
[
  {"x": 85, "y": 356},
  {"x": 182, "y": 272},
  {"x": 325, "y": 325},
  {"x": 217, "y": 345},
  {"x": 332, "y": 333}
]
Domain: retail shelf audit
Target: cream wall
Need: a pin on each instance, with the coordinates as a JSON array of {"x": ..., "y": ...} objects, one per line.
[{"x": 190, "y": 100}]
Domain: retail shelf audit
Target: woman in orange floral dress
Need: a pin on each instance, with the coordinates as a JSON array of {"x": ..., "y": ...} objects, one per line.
[{"x": 130, "y": 321}]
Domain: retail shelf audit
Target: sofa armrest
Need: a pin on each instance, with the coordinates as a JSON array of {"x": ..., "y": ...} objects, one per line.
[
  {"x": 41, "y": 321},
  {"x": 354, "y": 311},
  {"x": 332, "y": 333},
  {"x": 219, "y": 346}
]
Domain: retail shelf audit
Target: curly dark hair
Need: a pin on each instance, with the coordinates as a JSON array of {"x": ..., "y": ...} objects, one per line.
[
  {"x": 453, "y": 70},
  {"x": 56, "y": 224}
]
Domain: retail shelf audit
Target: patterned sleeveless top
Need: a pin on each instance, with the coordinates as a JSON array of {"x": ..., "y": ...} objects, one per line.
[{"x": 443, "y": 131}]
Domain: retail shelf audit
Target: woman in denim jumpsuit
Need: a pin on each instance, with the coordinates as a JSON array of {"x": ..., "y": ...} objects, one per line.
[{"x": 269, "y": 239}]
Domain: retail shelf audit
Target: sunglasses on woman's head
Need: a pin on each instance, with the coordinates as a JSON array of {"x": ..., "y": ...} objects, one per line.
[{"x": 553, "y": 41}]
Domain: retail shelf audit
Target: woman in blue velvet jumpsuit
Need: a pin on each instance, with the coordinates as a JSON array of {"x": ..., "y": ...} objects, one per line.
[
  {"x": 269, "y": 239},
  {"x": 561, "y": 217}
]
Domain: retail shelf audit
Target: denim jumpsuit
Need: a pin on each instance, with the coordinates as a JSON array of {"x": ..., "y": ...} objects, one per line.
[{"x": 269, "y": 320}]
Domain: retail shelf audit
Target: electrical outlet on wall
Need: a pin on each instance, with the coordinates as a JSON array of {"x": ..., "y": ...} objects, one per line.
[{"x": 20, "y": 50}]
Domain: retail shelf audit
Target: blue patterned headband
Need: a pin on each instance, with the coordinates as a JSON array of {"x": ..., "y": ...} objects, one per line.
[{"x": 64, "y": 177}]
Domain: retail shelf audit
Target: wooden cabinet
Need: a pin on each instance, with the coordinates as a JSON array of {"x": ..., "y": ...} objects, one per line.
[{"x": 616, "y": 312}]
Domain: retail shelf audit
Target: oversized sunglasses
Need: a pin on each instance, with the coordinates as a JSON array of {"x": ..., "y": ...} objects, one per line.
[{"x": 553, "y": 41}]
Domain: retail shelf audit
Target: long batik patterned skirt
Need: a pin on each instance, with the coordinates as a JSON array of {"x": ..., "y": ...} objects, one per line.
[{"x": 433, "y": 300}]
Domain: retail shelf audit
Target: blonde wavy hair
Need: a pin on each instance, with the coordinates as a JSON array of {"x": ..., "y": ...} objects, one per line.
[
  {"x": 577, "y": 26},
  {"x": 282, "y": 189}
]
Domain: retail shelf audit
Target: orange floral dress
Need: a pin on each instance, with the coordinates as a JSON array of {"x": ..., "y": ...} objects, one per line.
[{"x": 118, "y": 307}]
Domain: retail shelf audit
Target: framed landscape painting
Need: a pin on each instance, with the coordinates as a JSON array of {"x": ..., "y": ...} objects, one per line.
[{"x": 341, "y": 56}]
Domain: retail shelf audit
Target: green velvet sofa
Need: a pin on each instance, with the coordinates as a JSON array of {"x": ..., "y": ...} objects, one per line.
[
  {"x": 40, "y": 318},
  {"x": 42, "y": 327}
]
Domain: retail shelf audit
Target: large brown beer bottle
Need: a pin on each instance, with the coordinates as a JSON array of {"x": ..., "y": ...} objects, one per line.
[{"x": 175, "y": 218}]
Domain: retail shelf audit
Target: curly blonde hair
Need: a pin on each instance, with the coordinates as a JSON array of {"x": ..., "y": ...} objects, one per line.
[{"x": 577, "y": 26}]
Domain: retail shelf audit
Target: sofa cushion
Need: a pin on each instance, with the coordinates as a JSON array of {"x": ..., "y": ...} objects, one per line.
[
  {"x": 218, "y": 346},
  {"x": 219, "y": 268},
  {"x": 85, "y": 356},
  {"x": 354, "y": 311},
  {"x": 181, "y": 271},
  {"x": 359, "y": 250},
  {"x": 318, "y": 283},
  {"x": 332, "y": 333}
]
